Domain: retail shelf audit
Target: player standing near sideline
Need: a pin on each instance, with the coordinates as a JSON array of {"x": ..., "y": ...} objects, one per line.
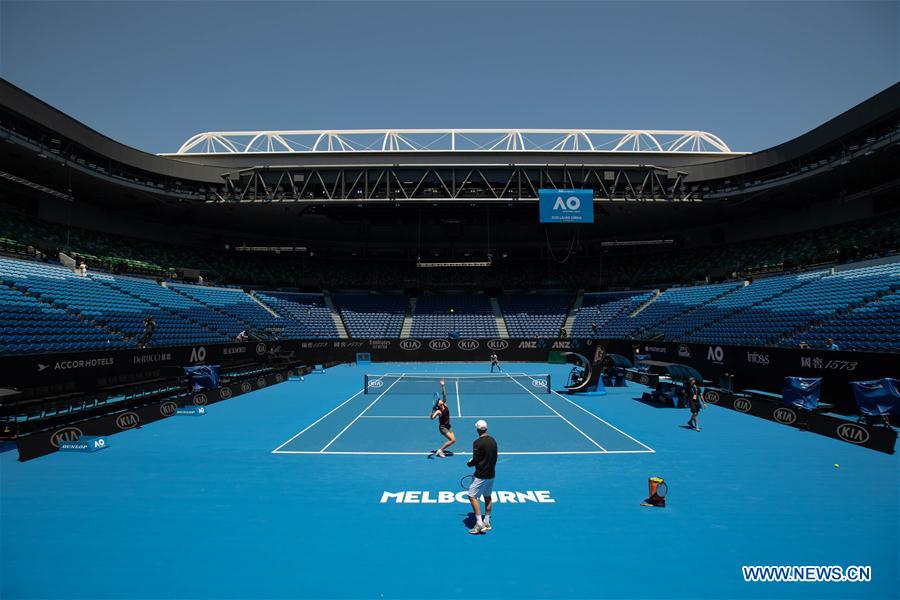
[
  {"x": 442, "y": 411},
  {"x": 484, "y": 459},
  {"x": 695, "y": 398},
  {"x": 495, "y": 362}
]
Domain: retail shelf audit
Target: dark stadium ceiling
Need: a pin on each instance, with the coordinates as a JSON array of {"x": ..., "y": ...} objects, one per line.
[{"x": 48, "y": 156}]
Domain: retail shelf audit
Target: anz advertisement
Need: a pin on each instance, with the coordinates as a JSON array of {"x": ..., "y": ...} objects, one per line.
[{"x": 567, "y": 206}]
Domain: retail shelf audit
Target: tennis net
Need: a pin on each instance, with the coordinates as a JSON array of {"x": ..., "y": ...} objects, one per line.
[{"x": 463, "y": 384}]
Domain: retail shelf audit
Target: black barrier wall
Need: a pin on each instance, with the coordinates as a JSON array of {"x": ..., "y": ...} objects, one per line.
[
  {"x": 88, "y": 367},
  {"x": 764, "y": 368},
  {"x": 760, "y": 368},
  {"x": 45, "y": 442},
  {"x": 869, "y": 436}
]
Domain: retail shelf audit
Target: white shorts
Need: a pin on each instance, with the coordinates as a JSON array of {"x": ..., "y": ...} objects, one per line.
[{"x": 481, "y": 487}]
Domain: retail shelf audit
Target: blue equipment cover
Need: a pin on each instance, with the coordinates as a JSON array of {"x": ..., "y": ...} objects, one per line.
[
  {"x": 877, "y": 397},
  {"x": 802, "y": 392},
  {"x": 203, "y": 377}
]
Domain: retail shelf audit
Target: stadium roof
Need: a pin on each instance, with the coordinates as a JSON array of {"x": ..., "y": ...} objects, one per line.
[{"x": 454, "y": 140}]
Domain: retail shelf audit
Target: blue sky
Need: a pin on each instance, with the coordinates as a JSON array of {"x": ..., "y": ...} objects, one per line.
[{"x": 151, "y": 74}]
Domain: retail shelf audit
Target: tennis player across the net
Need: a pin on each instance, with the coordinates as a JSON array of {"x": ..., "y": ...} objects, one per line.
[{"x": 472, "y": 384}]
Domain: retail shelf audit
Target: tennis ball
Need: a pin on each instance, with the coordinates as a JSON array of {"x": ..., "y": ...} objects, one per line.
[{"x": 836, "y": 465}]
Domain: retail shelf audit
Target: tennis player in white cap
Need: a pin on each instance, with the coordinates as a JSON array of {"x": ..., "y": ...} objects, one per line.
[{"x": 484, "y": 459}]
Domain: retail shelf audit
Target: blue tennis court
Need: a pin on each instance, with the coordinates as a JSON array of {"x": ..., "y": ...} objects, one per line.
[
  {"x": 315, "y": 488},
  {"x": 390, "y": 416}
]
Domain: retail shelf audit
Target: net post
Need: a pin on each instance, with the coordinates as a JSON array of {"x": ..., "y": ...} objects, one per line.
[
  {"x": 366, "y": 383},
  {"x": 548, "y": 383}
]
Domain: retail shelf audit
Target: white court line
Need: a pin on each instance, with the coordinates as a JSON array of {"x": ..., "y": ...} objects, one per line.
[
  {"x": 446, "y": 375},
  {"x": 458, "y": 407},
  {"x": 307, "y": 428},
  {"x": 549, "y": 453},
  {"x": 480, "y": 417},
  {"x": 361, "y": 414},
  {"x": 559, "y": 415},
  {"x": 608, "y": 424}
]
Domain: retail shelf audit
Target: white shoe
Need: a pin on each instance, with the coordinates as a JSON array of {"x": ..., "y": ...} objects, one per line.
[
  {"x": 487, "y": 526},
  {"x": 477, "y": 529},
  {"x": 441, "y": 454}
]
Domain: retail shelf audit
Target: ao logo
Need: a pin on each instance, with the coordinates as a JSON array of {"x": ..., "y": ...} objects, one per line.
[
  {"x": 468, "y": 344},
  {"x": 245, "y": 387},
  {"x": 66, "y": 434},
  {"x": 715, "y": 354},
  {"x": 712, "y": 397},
  {"x": 439, "y": 345},
  {"x": 260, "y": 348},
  {"x": 167, "y": 409},
  {"x": 570, "y": 203},
  {"x": 99, "y": 443},
  {"x": 785, "y": 415},
  {"x": 410, "y": 344},
  {"x": 198, "y": 354},
  {"x": 225, "y": 393},
  {"x": 498, "y": 344},
  {"x": 127, "y": 420},
  {"x": 850, "y": 432},
  {"x": 200, "y": 400},
  {"x": 742, "y": 405}
]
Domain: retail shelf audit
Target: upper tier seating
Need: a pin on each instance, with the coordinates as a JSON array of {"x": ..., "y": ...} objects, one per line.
[
  {"x": 472, "y": 316},
  {"x": 373, "y": 315},
  {"x": 535, "y": 314},
  {"x": 602, "y": 307},
  {"x": 306, "y": 315}
]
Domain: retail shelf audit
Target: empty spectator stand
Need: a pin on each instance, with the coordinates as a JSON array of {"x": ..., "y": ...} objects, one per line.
[
  {"x": 180, "y": 320},
  {"x": 666, "y": 306},
  {"x": 601, "y": 308},
  {"x": 534, "y": 315},
  {"x": 372, "y": 315},
  {"x": 439, "y": 315},
  {"x": 238, "y": 311},
  {"x": 304, "y": 315},
  {"x": 737, "y": 318}
]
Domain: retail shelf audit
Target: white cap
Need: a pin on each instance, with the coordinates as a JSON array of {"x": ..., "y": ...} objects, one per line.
[{"x": 481, "y": 425}]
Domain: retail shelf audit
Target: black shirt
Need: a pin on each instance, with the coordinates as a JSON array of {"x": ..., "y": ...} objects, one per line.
[
  {"x": 484, "y": 457},
  {"x": 444, "y": 417}
]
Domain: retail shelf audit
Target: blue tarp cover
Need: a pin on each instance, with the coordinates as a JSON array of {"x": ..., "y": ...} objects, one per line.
[
  {"x": 802, "y": 392},
  {"x": 203, "y": 377},
  {"x": 877, "y": 397}
]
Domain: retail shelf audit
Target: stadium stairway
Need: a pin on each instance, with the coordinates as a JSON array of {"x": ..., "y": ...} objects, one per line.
[
  {"x": 335, "y": 316},
  {"x": 569, "y": 323},
  {"x": 259, "y": 301},
  {"x": 498, "y": 317},
  {"x": 406, "y": 330}
]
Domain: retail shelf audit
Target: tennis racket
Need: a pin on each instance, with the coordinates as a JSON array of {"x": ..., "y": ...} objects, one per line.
[
  {"x": 466, "y": 481},
  {"x": 434, "y": 403}
]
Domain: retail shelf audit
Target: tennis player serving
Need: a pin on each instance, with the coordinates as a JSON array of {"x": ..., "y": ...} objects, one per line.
[
  {"x": 484, "y": 459},
  {"x": 442, "y": 411}
]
